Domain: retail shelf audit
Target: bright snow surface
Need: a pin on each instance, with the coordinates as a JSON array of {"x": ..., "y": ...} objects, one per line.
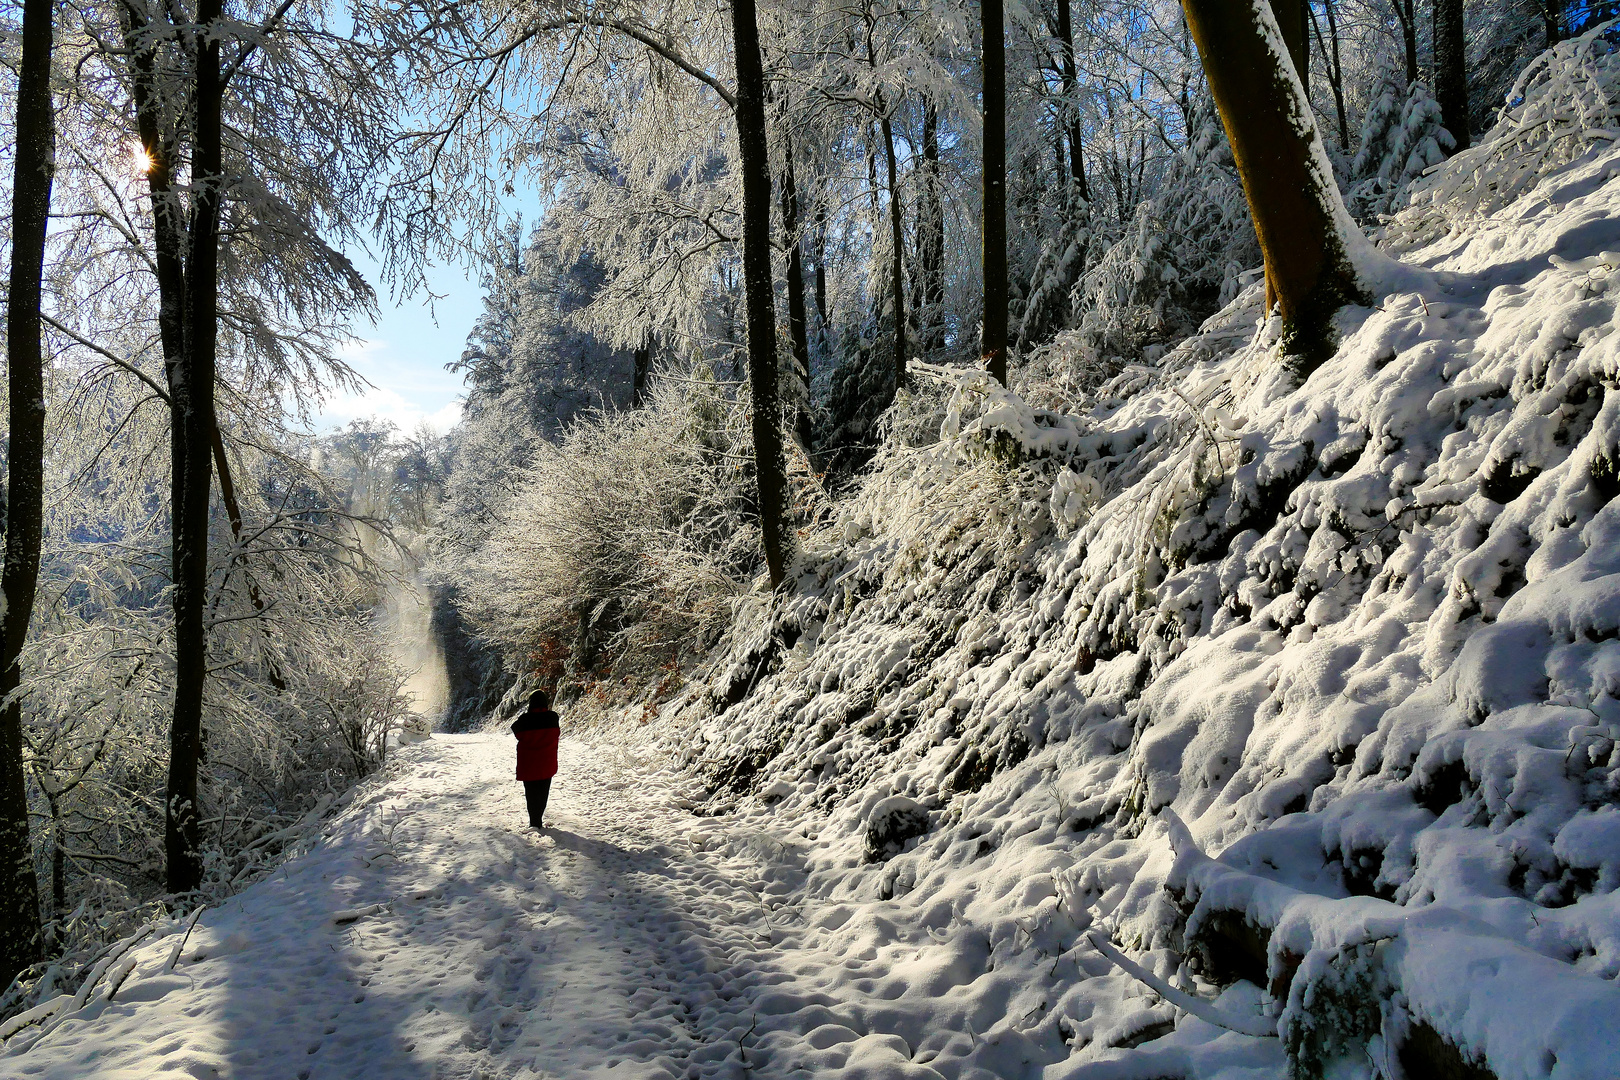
[
  {"x": 431, "y": 934},
  {"x": 1360, "y": 633}
]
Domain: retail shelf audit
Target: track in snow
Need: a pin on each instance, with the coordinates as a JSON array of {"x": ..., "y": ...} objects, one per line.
[{"x": 613, "y": 944}]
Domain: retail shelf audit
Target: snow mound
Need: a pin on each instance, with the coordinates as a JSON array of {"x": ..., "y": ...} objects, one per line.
[{"x": 1362, "y": 634}]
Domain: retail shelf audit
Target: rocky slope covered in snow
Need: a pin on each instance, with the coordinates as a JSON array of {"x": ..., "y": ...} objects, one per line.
[{"x": 1360, "y": 632}]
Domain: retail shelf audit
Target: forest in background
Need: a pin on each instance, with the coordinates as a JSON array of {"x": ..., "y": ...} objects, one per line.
[{"x": 209, "y": 576}]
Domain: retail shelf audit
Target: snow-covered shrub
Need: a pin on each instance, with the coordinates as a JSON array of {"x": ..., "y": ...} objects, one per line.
[
  {"x": 629, "y": 538},
  {"x": 1178, "y": 258},
  {"x": 1334, "y": 1008},
  {"x": 890, "y": 824},
  {"x": 1563, "y": 105},
  {"x": 1401, "y": 138},
  {"x": 985, "y": 419},
  {"x": 1379, "y": 123},
  {"x": 1421, "y": 141},
  {"x": 859, "y": 392},
  {"x": 1075, "y": 494},
  {"x": 1062, "y": 259},
  {"x": 917, "y": 413}
]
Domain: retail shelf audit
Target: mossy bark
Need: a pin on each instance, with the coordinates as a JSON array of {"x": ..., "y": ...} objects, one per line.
[{"x": 1296, "y": 209}]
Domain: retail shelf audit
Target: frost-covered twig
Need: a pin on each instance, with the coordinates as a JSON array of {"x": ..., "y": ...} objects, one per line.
[
  {"x": 1258, "y": 1026},
  {"x": 174, "y": 954},
  {"x": 1567, "y": 98}
]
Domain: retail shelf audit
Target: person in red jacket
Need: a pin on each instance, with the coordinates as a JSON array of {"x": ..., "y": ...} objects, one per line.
[{"x": 537, "y": 731}]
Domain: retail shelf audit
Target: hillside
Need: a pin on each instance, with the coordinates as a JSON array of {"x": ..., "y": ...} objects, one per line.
[{"x": 1358, "y": 632}]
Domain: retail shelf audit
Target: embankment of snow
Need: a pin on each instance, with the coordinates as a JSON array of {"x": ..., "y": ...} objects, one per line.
[{"x": 1361, "y": 634}]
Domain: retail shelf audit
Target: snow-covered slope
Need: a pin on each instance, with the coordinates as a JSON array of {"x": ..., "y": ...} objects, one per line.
[{"x": 1361, "y": 633}]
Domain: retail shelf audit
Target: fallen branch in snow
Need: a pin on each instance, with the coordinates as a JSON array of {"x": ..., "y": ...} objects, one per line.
[
  {"x": 1258, "y": 1026},
  {"x": 37, "y": 1015},
  {"x": 52, "y": 1014},
  {"x": 1228, "y": 941},
  {"x": 82, "y": 998},
  {"x": 174, "y": 955}
]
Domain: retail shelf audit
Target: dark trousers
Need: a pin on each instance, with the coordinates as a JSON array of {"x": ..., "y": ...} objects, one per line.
[{"x": 537, "y": 792}]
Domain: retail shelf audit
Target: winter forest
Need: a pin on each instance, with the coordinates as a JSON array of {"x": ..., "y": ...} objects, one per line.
[{"x": 1069, "y": 540}]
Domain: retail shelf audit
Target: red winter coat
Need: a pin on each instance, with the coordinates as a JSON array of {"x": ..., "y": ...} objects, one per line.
[{"x": 537, "y": 735}]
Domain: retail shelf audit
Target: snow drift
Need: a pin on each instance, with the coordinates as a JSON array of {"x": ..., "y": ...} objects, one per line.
[{"x": 1361, "y": 634}]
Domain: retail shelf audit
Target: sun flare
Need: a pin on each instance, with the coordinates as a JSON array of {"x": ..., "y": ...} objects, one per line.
[{"x": 142, "y": 160}]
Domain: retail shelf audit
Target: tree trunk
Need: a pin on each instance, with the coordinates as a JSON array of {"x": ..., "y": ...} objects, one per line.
[
  {"x": 1406, "y": 15},
  {"x": 1335, "y": 70},
  {"x": 993, "y": 222},
  {"x": 58, "y": 861},
  {"x": 1292, "y": 20},
  {"x": 168, "y": 231},
  {"x": 1295, "y": 203},
  {"x": 642, "y": 360},
  {"x": 759, "y": 287},
  {"x": 1451, "y": 69},
  {"x": 233, "y": 514},
  {"x": 1077, "y": 161},
  {"x": 930, "y": 239},
  {"x": 176, "y": 332},
  {"x": 1552, "y": 20},
  {"x": 897, "y": 242},
  {"x": 798, "y": 318},
  {"x": 24, "y": 514},
  {"x": 194, "y": 399},
  {"x": 818, "y": 239}
]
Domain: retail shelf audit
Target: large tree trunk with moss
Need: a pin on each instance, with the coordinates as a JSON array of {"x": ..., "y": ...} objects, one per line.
[
  {"x": 1451, "y": 69},
  {"x": 993, "y": 223},
  {"x": 193, "y": 390},
  {"x": 24, "y": 516},
  {"x": 759, "y": 287},
  {"x": 1298, "y": 215}
]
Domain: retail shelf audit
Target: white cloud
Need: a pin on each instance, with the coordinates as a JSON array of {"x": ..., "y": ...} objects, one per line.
[{"x": 405, "y": 393}]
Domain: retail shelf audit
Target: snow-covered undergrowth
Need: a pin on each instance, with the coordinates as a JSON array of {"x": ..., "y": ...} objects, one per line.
[{"x": 1361, "y": 634}]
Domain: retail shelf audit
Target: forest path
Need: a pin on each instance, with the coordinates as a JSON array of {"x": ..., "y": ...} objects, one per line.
[{"x": 431, "y": 935}]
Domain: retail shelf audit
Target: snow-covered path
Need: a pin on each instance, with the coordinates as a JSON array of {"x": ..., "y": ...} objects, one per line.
[
  {"x": 430, "y": 936},
  {"x": 614, "y": 944}
]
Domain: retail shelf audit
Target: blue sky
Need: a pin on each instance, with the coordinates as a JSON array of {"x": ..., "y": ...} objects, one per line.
[{"x": 404, "y": 354}]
